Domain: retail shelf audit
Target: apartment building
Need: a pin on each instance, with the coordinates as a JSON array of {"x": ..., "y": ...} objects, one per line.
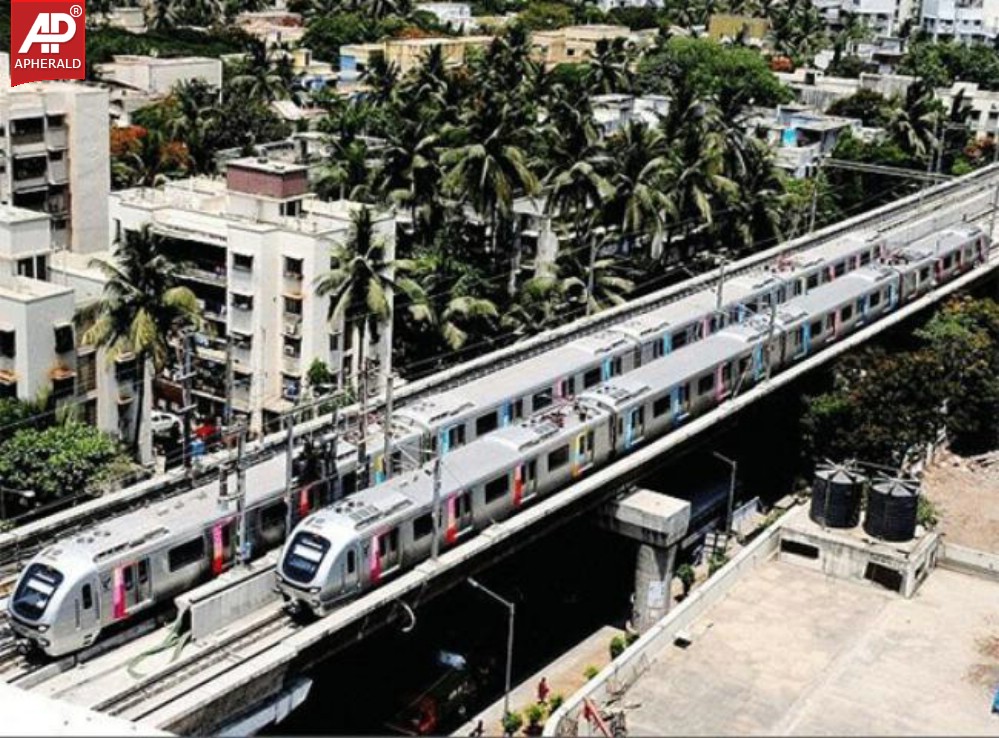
[
  {"x": 405, "y": 53},
  {"x": 54, "y": 158},
  {"x": 573, "y": 44},
  {"x": 459, "y": 15},
  {"x": 254, "y": 244},
  {"x": 967, "y": 21},
  {"x": 40, "y": 353}
]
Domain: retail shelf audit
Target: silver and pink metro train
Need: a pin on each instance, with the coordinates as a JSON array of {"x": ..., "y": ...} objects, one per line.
[
  {"x": 80, "y": 586},
  {"x": 352, "y": 546}
]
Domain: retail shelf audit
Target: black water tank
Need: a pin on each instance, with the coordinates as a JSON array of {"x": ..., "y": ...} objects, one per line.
[
  {"x": 892, "y": 507},
  {"x": 836, "y": 494}
]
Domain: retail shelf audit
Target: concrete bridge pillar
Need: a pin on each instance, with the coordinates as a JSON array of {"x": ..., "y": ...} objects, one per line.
[{"x": 658, "y": 522}]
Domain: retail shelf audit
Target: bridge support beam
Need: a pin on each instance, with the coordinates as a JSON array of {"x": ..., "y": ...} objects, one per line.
[{"x": 658, "y": 522}]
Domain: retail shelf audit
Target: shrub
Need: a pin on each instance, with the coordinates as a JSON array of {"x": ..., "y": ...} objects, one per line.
[
  {"x": 685, "y": 573},
  {"x": 512, "y": 722},
  {"x": 717, "y": 562},
  {"x": 555, "y": 701},
  {"x": 617, "y": 646},
  {"x": 926, "y": 513},
  {"x": 590, "y": 671},
  {"x": 535, "y": 714}
]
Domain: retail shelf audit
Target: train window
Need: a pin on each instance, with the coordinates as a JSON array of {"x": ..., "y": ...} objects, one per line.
[
  {"x": 679, "y": 339},
  {"x": 726, "y": 375},
  {"x": 423, "y": 526},
  {"x": 813, "y": 281},
  {"x": 846, "y": 313},
  {"x": 865, "y": 258},
  {"x": 226, "y": 536},
  {"x": 351, "y": 561},
  {"x": 705, "y": 384},
  {"x": 273, "y": 516},
  {"x": 830, "y": 321},
  {"x": 88, "y": 596},
  {"x": 616, "y": 366},
  {"x": 947, "y": 261},
  {"x": 186, "y": 554},
  {"x": 661, "y": 406},
  {"x": 518, "y": 409},
  {"x": 657, "y": 350},
  {"x": 456, "y": 436},
  {"x": 570, "y": 386},
  {"x": 591, "y": 378},
  {"x": 744, "y": 364},
  {"x": 875, "y": 299},
  {"x": 496, "y": 488},
  {"x": 924, "y": 274},
  {"x": 558, "y": 458},
  {"x": 486, "y": 423},
  {"x": 840, "y": 269},
  {"x": 129, "y": 577},
  {"x": 143, "y": 571},
  {"x": 816, "y": 328},
  {"x": 348, "y": 484},
  {"x": 541, "y": 399}
]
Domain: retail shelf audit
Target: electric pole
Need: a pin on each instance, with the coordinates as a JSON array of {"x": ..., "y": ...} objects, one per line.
[
  {"x": 289, "y": 474},
  {"x": 186, "y": 399},
  {"x": 435, "y": 510},
  {"x": 244, "y": 543},
  {"x": 387, "y": 428},
  {"x": 362, "y": 450},
  {"x": 227, "y": 414}
]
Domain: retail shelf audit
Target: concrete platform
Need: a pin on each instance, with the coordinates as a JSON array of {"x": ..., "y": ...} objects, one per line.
[
  {"x": 791, "y": 651},
  {"x": 27, "y": 713}
]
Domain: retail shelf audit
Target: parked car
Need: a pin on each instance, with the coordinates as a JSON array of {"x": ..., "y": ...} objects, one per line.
[{"x": 165, "y": 424}]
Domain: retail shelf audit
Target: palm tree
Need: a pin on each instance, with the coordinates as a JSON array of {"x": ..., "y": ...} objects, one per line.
[
  {"x": 913, "y": 122},
  {"x": 577, "y": 195},
  {"x": 638, "y": 206},
  {"x": 141, "y": 310},
  {"x": 487, "y": 172},
  {"x": 609, "y": 69}
]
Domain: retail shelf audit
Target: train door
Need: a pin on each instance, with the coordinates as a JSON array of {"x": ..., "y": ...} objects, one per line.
[
  {"x": 680, "y": 402},
  {"x": 88, "y": 611},
  {"x": 351, "y": 569},
  {"x": 131, "y": 587},
  {"x": 583, "y": 457},
  {"x": 451, "y": 438},
  {"x": 634, "y": 426},
  {"x": 389, "y": 551},
  {"x": 459, "y": 516},
  {"x": 525, "y": 482},
  {"x": 223, "y": 545}
]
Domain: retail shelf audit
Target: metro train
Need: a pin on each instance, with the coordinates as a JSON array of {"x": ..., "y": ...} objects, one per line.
[
  {"x": 350, "y": 547},
  {"x": 71, "y": 591}
]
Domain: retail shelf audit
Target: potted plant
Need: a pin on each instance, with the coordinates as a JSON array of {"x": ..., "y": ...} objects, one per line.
[
  {"x": 535, "y": 714},
  {"x": 512, "y": 722},
  {"x": 685, "y": 573}
]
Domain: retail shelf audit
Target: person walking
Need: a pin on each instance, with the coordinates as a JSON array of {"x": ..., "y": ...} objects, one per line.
[{"x": 543, "y": 690}]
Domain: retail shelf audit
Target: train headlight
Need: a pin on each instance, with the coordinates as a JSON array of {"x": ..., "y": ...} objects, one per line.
[
  {"x": 42, "y": 628},
  {"x": 314, "y": 590}
]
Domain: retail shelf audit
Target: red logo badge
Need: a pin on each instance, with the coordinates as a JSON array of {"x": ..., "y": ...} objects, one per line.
[{"x": 47, "y": 40}]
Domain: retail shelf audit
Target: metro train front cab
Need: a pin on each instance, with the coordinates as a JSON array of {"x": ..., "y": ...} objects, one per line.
[{"x": 56, "y": 604}]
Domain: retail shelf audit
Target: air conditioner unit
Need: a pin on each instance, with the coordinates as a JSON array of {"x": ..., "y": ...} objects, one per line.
[
  {"x": 289, "y": 350},
  {"x": 291, "y": 329}
]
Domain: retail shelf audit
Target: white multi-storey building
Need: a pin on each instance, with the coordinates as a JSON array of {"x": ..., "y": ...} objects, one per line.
[
  {"x": 40, "y": 353},
  {"x": 253, "y": 245},
  {"x": 967, "y": 21},
  {"x": 458, "y": 15},
  {"x": 54, "y": 158}
]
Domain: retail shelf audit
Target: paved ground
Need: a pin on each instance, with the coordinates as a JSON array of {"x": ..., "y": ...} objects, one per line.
[
  {"x": 966, "y": 495},
  {"x": 564, "y": 675},
  {"x": 792, "y": 652}
]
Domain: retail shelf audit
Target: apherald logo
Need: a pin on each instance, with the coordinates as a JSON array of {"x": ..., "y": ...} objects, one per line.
[{"x": 47, "y": 40}]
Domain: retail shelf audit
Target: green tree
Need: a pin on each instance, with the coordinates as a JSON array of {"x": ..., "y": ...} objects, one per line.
[
  {"x": 141, "y": 309},
  {"x": 545, "y": 16},
  {"x": 870, "y": 107}
]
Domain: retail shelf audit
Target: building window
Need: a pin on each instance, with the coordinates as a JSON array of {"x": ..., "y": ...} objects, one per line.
[
  {"x": 63, "y": 338},
  {"x": 26, "y": 268},
  {"x": 86, "y": 371},
  {"x": 242, "y": 302},
  {"x": 334, "y": 341},
  {"x": 292, "y": 347},
  {"x": 291, "y": 387},
  {"x": 293, "y": 305},
  {"x": 293, "y": 267},
  {"x": 242, "y": 262},
  {"x": 55, "y": 156},
  {"x": 56, "y": 121},
  {"x": 7, "y": 344}
]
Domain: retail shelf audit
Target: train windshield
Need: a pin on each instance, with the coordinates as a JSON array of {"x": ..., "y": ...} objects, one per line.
[
  {"x": 35, "y": 591},
  {"x": 304, "y": 554}
]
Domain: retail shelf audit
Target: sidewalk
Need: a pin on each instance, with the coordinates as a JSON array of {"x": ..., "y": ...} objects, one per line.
[{"x": 565, "y": 676}]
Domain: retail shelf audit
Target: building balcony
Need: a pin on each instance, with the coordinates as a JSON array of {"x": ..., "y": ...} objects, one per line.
[
  {"x": 37, "y": 182},
  {"x": 195, "y": 274},
  {"x": 56, "y": 139},
  {"x": 292, "y": 365},
  {"x": 27, "y": 138},
  {"x": 292, "y": 326}
]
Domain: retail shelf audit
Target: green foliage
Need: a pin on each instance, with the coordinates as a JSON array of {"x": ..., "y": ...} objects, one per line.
[
  {"x": 941, "y": 64},
  {"x": 535, "y": 713},
  {"x": 555, "y": 701},
  {"x": 926, "y": 513},
  {"x": 59, "y": 461},
  {"x": 545, "y": 16},
  {"x": 685, "y": 573},
  {"x": 326, "y": 34},
  {"x": 617, "y": 646},
  {"x": 590, "y": 671},
  {"x": 850, "y": 66},
  {"x": 512, "y": 722},
  {"x": 730, "y": 73},
  {"x": 318, "y": 373},
  {"x": 869, "y": 106},
  {"x": 16, "y": 414},
  {"x": 717, "y": 561},
  {"x": 637, "y": 18},
  {"x": 104, "y": 42}
]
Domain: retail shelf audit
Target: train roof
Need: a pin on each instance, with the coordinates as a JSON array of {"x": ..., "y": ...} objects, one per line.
[
  {"x": 674, "y": 314},
  {"x": 833, "y": 294},
  {"x": 491, "y": 390},
  {"x": 676, "y": 367},
  {"x": 190, "y": 511},
  {"x": 938, "y": 243},
  {"x": 831, "y": 251}
]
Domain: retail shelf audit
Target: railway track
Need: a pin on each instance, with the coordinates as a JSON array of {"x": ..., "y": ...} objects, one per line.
[
  {"x": 20, "y": 544},
  {"x": 102, "y": 687}
]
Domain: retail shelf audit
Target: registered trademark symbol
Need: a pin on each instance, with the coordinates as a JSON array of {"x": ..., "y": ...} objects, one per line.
[{"x": 76, "y": 11}]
